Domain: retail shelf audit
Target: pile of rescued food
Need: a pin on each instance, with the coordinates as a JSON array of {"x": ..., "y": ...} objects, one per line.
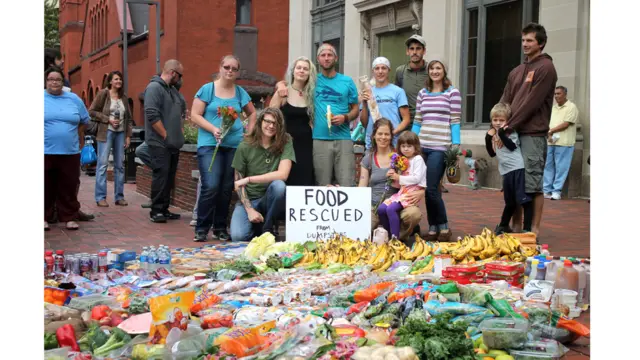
[{"x": 335, "y": 299}]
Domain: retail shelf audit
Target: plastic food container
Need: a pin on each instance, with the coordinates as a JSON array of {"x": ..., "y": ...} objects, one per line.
[
  {"x": 541, "y": 349},
  {"x": 504, "y": 333}
]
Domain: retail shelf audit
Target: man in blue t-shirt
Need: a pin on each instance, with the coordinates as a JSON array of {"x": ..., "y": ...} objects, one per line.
[
  {"x": 336, "y": 104},
  {"x": 391, "y": 100}
]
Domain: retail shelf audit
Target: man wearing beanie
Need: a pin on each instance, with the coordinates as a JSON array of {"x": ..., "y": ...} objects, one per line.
[{"x": 391, "y": 102}]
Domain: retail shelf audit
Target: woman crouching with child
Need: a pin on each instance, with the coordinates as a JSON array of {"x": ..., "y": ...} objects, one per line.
[{"x": 412, "y": 179}]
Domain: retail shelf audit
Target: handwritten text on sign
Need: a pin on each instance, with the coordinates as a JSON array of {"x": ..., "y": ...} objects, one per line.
[{"x": 317, "y": 212}]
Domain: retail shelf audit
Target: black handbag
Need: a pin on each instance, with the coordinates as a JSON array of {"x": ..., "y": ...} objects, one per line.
[{"x": 92, "y": 127}]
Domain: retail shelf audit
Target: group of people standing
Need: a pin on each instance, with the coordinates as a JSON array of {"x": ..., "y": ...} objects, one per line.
[{"x": 303, "y": 138}]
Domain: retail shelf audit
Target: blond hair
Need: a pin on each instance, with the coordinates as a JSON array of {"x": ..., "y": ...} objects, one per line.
[
  {"x": 308, "y": 92},
  {"x": 500, "y": 109}
]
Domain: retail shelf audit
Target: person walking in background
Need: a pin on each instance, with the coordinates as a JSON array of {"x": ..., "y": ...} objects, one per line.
[
  {"x": 529, "y": 93},
  {"x": 298, "y": 111},
  {"x": 391, "y": 100},
  {"x": 437, "y": 124},
  {"x": 115, "y": 125},
  {"x": 413, "y": 179},
  {"x": 65, "y": 118},
  {"x": 560, "y": 142},
  {"x": 163, "y": 134},
  {"x": 217, "y": 178},
  {"x": 335, "y": 105},
  {"x": 262, "y": 163},
  {"x": 510, "y": 166}
]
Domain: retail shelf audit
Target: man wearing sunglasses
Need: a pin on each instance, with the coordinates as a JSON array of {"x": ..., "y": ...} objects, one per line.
[{"x": 163, "y": 109}]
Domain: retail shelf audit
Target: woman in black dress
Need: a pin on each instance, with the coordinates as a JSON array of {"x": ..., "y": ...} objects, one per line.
[{"x": 297, "y": 108}]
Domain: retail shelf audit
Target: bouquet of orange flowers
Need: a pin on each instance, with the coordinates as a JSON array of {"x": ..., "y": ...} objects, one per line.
[{"x": 228, "y": 115}]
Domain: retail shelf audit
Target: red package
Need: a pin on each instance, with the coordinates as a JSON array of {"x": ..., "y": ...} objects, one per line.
[
  {"x": 504, "y": 266},
  {"x": 371, "y": 293},
  {"x": 397, "y": 296},
  {"x": 455, "y": 273},
  {"x": 465, "y": 268},
  {"x": 357, "y": 308}
]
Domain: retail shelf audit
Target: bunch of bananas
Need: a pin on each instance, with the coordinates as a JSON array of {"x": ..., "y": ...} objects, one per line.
[{"x": 482, "y": 248}]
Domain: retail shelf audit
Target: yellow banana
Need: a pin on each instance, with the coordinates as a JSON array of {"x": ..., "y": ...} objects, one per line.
[{"x": 418, "y": 248}]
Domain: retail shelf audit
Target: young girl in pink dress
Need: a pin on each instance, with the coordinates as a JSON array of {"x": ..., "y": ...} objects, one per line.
[{"x": 414, "y": 178}]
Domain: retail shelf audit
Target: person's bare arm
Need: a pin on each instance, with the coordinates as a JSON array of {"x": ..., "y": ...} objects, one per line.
[
  {"x": 242, "y": 192},
  {"x": 406, "y": 120},
  {"x": 364, "y": 177},
  {"x": 81, "y": 128},
  {"x": 277, "y": 101},
  {"x": 565, "y": 125},
  {"x": 197, "y": 112},
  {"x": 250, "y": 110}
]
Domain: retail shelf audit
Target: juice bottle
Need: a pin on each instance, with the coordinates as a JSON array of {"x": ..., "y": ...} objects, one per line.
[
  {"x": 534, "y": 269},
  {"x": 553, "y": 268},
  {"x": 568, "y": 278},
  {"x": 545, "y": 250},
  {"x": 582, "y": 281},
  {"x": 49, "y": 260}
]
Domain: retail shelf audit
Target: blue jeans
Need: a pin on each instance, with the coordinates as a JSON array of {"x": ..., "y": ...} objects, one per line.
[
  {"x": 216, "y": 187},
  {"x": 436, "y": 212},
  {"x": 557, "y": 168},
  {"x": 115, "y": 141},
  {"x": 271, "y": 206}
]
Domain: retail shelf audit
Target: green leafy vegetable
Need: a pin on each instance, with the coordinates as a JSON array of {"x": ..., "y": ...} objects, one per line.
[
  {"x": 50, "y": 341},
  {"x": 117, "y": 340},
  {"x": 435, "y": 341}
]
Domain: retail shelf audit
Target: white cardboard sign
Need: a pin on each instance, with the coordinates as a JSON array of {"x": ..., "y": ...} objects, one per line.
[{"x": 317, "y": 212}]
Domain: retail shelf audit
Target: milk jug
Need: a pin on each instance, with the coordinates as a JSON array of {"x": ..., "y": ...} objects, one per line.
[{"x": 380, "y": 236}]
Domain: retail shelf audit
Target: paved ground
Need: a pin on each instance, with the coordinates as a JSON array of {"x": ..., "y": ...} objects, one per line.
[
  {"x": 565, "y": 227},
  {"x": 565, "y": 223}
]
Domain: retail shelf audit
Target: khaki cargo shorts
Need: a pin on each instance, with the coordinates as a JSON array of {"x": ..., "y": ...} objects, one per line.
[{"x": 534, "y": 154}]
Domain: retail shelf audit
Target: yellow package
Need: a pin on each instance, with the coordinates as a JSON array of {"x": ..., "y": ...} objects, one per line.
[
  {"x": 243, "y": 342},
  {"x": 168, "y": 312}
]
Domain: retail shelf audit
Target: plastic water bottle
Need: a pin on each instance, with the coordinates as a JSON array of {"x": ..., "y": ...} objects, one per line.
[
  {"x": 144, "y": 257},
  {"x": 163, "y": 258},
  {"x": 152, "y": 259}
]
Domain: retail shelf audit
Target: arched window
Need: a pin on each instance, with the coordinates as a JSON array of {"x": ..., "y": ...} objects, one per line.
[
  {"x": 93, "y": 32},
  {"x": 104, "y": 81},
  {"x": 103, "y": 20},
  {"x": 90, "y": 94},
  {"x": 99, "y": 28}
]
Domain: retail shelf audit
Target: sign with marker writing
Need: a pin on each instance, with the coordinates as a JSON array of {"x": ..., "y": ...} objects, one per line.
[{"x": 318, "y": 212}]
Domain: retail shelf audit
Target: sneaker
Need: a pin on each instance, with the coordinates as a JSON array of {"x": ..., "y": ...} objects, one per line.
[
  {"x": 193, "y": 222},
  {"x": 201, "y": 236},
  {"x": 221, "y": 235},
  {"x": 158, "y": 218},
  {"x": 547, "y": 195},
  {"x": 555, "y": 196},
  {"x": 146, "y": 206},
  {"x": 501, "y": 230},
  {"x": 82, "y": 216},
  {"x": 171, "y": 216}
]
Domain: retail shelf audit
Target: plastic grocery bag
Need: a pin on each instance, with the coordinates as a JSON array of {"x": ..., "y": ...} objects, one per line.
[
  {"x": 169, "y": 312},
  {"x": 358, "y": 134},
  {"x": 243, "y": 342},
  {"x": 88, "y": 155},
  {"x": 434, "y": 307}
]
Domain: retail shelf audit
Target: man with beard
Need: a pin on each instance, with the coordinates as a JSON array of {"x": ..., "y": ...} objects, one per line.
[
  {"x": 529, "y": 92},
  {"x": 412, "y": 76},
  {"x": 163, "y": 134},
  {"x": 335, "y": 104}
]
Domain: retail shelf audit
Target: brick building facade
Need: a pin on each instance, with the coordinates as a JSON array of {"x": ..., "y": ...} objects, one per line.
[{"x": 198, "y": 33}]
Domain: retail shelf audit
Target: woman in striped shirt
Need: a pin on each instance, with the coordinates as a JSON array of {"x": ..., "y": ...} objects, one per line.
[{"x": 437, "y": 124}]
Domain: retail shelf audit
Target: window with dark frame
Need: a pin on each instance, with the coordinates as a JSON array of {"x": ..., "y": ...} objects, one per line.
[
  {"x": 491, "y": 49},
  {"x": 243, "y": 12},
  {"x": 328, "y": 27}
]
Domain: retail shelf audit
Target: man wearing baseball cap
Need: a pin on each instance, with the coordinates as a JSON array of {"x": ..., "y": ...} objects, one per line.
[
  {"x": 412, "y": 76},
  {"x": 390, "y": 99}
]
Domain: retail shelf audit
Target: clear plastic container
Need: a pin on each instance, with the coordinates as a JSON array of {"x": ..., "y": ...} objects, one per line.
[
  {"x": 540, "y": 349},
  {"x": 504, "y": 333}
]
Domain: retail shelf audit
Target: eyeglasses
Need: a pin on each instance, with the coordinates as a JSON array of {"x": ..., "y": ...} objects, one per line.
[
  {"x": 269, "y": 122},
  {"x": 228, "y": 67},
  {"x": 177, "y": 72},
  {"x": 55, "y": 80}
]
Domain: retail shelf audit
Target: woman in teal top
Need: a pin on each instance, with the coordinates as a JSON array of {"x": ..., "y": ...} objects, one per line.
[{"x": 217, "y": 183}]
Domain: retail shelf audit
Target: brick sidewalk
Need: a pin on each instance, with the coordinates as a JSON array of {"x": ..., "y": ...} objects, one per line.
[
  {"x": 565, "y": 223},
  {"x": 565, "y": 227}
]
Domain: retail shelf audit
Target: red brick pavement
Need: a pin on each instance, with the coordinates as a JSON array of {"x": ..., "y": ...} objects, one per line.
[{"x": 565, "y": 226}]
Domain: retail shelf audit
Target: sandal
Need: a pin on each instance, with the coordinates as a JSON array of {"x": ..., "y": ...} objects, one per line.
[
  {"x": 46, "y": 226},
  {"x": 72, "y": 225},
  {"x": 122, "y": 202},
  {"x": 102, "y": 203}
]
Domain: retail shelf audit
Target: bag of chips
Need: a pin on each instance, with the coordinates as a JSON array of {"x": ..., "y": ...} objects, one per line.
[{"x": 169, "y": 312}]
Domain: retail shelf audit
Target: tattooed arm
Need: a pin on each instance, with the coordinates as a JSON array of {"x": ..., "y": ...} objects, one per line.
[{"x": 253, "y": 215}]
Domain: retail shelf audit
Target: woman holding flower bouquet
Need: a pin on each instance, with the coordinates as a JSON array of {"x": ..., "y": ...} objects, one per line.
[
  {"x": 216, "y": 110},
  {"x": 374, "y": 168},
  {"x": 262, "y": 164},
  {"x": 407, "y": 171}
]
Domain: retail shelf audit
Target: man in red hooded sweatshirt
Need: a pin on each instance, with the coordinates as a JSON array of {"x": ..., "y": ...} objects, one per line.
[{"x": 529, "y": 92}]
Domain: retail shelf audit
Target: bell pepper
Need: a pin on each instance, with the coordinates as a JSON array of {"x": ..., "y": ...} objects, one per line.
[
  {"x": 100, "y": 311},
  {"x": 66, "y": 336}
]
